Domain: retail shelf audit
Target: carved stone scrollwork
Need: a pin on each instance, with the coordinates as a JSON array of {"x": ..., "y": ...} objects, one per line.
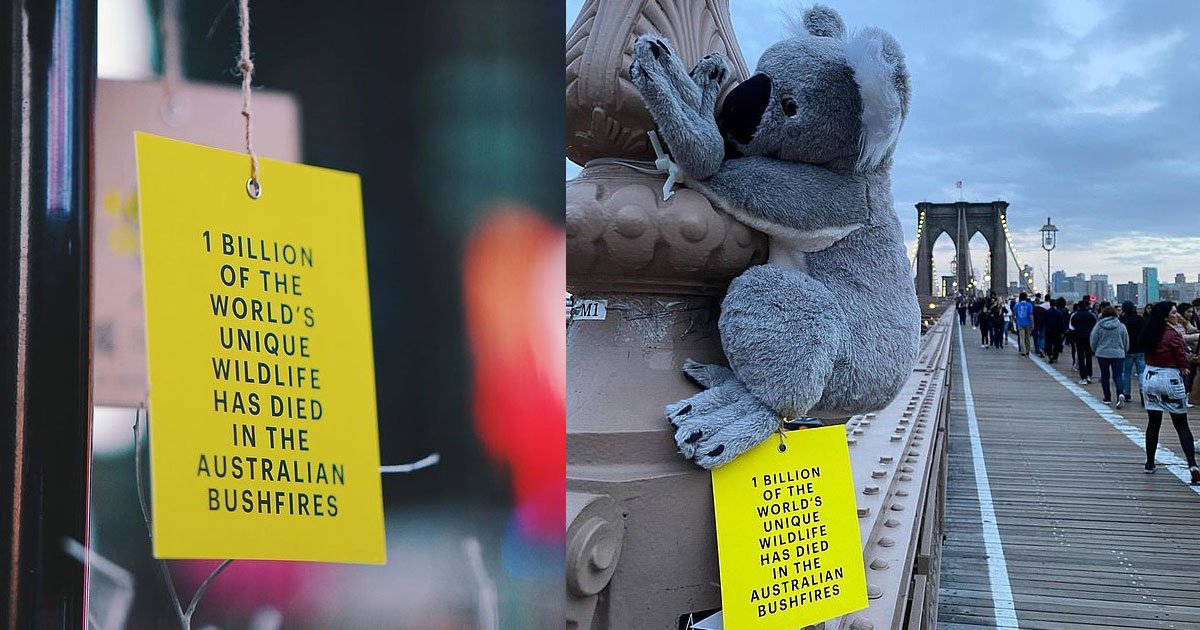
[
  {"x": 595, "y": 532},
  {"x": 621, "y": 236},
  {"x": 605, "y": 117}
]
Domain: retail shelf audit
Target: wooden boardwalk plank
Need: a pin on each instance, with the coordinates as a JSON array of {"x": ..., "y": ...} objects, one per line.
[{"x": 1089, "y": 540}]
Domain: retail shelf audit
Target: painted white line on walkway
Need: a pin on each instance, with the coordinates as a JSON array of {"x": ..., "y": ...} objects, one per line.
[
  {"x": 1174, "y": 463},
  {"x": 1002, "y": 598}
]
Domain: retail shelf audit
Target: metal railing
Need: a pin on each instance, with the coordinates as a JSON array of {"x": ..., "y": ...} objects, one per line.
[{"x": 898, "y": 458}]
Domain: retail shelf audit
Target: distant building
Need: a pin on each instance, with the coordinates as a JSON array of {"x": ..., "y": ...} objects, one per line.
[
  {"x": 948, "y": 288},
  {"x": 1098, "y": 287},
  {"x": 1128, "y": 292},
  {"x": 1179, "y": 291},
  {"x": 1149, "y": 293},
  {"x": 1027, "y": 279},
  {"x": 1056, "y": 281},
  {"x": 1180, "y": 278},
  {"x": 1076, "y": 285}
]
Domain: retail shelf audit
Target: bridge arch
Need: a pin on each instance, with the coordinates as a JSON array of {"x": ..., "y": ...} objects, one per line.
[{"x": 962, "y": 220}]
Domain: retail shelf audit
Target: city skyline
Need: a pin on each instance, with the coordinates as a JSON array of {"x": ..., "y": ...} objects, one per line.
[{"x": 1077, "y": 110}]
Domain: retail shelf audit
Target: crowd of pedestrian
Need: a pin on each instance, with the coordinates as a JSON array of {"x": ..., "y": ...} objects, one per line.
[{"x": 1158, "y": 347}]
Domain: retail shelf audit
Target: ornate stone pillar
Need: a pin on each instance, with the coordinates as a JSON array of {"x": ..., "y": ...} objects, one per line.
[{"x": 640, "y": 539}]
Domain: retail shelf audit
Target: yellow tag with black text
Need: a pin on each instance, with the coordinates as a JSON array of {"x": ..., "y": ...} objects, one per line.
[
  {"x": 263, "y": 439},
  {"x": 787, "y": 533}
]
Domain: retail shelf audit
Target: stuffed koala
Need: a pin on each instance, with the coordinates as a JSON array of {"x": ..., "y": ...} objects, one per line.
[{"x": 802, "y": 150}]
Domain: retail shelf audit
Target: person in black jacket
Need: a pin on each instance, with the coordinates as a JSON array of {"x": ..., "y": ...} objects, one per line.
[
  {"x": 984, "y": 321},
  {"x": 1135, "y": 357},
  {"x": 1082, "y": 323},
  {"x": 975, "y": 307},
  {"x": 1039, "y": 329},
  {"x": 996, "y": 317},
  {"x": 1054, "y": 325}
]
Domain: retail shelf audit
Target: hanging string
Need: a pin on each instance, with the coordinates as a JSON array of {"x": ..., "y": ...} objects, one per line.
[
  {"x": 246, "y": 65},
  {"x": 171, "y": 109},
  {"x": 169, "y": 31}
]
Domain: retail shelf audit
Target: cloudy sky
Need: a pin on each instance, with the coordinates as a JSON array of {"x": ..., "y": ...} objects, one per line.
[{"x": 1086, "y": 111}]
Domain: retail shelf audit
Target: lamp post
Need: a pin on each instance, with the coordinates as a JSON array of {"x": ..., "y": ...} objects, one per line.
[{"x": 1049, "y": 241}]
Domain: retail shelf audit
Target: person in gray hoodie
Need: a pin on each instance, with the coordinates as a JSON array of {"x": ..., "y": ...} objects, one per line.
[{"x": 1109, "y": 340}]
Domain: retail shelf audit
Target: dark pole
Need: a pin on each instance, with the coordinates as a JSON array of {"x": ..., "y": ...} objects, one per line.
[{"x": 45, "y": 309}]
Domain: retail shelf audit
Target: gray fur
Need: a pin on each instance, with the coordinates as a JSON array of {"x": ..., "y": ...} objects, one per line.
[
  {"x": 707, "y": 375},
  {"x": 683, "y": 112},
  {"x": 830, "y": 325},
  {"x": 822, "y": 21}
]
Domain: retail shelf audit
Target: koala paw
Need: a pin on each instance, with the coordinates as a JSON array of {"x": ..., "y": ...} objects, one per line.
[
  {"x": 718, "y": 424},
  {"x": 709, "y": 75},
  {"x": 711, "y": 68},
  {"x": 660, "y": 77}
]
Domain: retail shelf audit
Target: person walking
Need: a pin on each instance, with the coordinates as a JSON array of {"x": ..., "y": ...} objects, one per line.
[
  {"x": 960, "y": 303},
  {"x": 974, "y": 309},
  {"x": 1135, "y": 357},
  {"x": 1039, "y": 327},
  {"x": 1069, "y": 336},
  {"x": 1023, "y": 313},
  {"x": 1053, "y": 325},
  {"x": 999, "y": 319},
  {"x": 1162, "y": 383},
  {"x": 1082, "y": 322},
  {"x": 984, "y": 321},
  {"x": 1109, "y": 340},
  {"x": 1194, "y": 395},
  {"x": 1191, "y": 336}
]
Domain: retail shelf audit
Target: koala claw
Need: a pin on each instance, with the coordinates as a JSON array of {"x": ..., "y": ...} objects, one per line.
[
  {"x": 658, "y": 48},
  {"x": 676, "y": 411}
]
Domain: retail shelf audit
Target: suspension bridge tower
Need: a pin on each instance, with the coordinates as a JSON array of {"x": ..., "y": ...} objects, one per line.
[{"x": 962, "y": 220}]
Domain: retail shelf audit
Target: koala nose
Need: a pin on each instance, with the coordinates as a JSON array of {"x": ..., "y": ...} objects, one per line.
[{"x": 744, "y": 107}]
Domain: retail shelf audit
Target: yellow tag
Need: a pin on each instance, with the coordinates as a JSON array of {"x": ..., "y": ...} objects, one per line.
[
  {"x": 787, "y": 533},
  {"x": 263, "y": 441}
]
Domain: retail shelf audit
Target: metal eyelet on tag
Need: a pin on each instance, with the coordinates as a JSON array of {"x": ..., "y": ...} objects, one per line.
[{"x": 253, "y": 188}]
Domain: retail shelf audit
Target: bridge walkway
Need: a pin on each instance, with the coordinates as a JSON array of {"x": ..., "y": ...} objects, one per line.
[{"x": 1050, "y": 521}]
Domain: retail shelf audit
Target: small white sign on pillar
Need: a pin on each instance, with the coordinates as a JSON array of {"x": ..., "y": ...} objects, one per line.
[{"x": 591, "y": 309}]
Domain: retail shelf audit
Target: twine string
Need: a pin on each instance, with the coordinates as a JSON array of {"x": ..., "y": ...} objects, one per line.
[
  {"x": 171, "y": 45},
  {"x": 171, "y": 108},
  {"x": 246, "y": 66}
]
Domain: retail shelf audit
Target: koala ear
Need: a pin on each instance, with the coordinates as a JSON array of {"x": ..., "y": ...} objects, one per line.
[
  {"x": 823, "y": 21},
  {"x": 882, "y": 79}
]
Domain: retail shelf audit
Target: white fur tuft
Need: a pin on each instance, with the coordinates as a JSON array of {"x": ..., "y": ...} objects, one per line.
[
  {"x": 882, "y": 113},
  {"x": 793, "y": 22}
]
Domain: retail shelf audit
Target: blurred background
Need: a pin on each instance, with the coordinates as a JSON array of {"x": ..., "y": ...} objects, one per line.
[{"x": 443, "y": 108}]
